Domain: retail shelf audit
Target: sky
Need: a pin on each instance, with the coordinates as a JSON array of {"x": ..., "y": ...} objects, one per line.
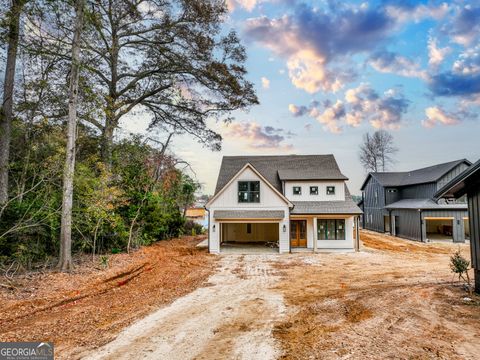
[{"x": 327, "y": 72}]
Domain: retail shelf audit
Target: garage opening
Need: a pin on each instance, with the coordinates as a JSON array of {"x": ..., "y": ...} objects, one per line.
[
  {"x": 466, "y": 226},
  {"x": 249, "y": 237},
  {"x": 439, "y": 229}
]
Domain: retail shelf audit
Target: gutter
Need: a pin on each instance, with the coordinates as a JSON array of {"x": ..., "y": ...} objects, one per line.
[
  {"x": 421, "y": 225},
  {"x": 208, "y": 234}
]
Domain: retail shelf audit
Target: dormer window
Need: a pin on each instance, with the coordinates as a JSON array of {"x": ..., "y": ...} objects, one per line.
[
  {"x": 297, "y": 190},
  {"x": 249, "y": 191},
  {"x": 313, "y": 190},
  {"x": 330, "y": 190}
]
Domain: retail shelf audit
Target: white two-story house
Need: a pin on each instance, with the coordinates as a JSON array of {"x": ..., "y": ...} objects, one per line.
[{"x": 292, "y": 201}]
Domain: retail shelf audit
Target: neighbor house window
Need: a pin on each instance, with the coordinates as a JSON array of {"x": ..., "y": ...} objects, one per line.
[
  {"x": 330, "y": 190},
  {"x": 249, "y": 191},
  {"x": 313, "y": 190},
  {"x": 297, "y": 190},
  {"x": 331, "y": 229}
]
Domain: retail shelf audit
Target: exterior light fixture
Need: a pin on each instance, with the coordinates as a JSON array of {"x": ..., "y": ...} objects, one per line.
[
  {"x": 284, "y": 228},
  {"x": 213, "y": 228}
]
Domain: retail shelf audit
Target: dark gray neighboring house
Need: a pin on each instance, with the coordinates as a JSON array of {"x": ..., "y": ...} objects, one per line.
[
  {"x": 403, "y": 204},
  {"x": 468, "y": 183}
]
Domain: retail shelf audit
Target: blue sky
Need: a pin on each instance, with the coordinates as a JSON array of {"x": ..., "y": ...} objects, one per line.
[{"x": 327, "y": 72}]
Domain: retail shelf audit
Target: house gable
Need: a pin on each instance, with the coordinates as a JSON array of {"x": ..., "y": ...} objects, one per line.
[{"x": 227, "y": 197}]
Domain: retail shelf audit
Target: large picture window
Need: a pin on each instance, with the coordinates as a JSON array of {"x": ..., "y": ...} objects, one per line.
[
  {"x": 249, "y": 191},
  {"x": 331, "y": 229}
]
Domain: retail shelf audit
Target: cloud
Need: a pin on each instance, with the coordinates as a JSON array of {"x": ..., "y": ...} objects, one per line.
[
  {"x": 452, "y": 83},
  {"x": 297, "y": 110},
  {"x": 436, "y": 55},
  {"x": 248, "y": 5},
  {"x": 468, "y": 62},
  {"x": 437, "y": 116},
  {"x": 258, "y": 137},
  {"x": 388, "y": 62},
  {"x": 360, "y": 104},
  {"x": 315, "y": 41},
  {"x": 464, "y": 28},
  {"x": 265, "y": 82},
  {"x": 404, "y": 11}
]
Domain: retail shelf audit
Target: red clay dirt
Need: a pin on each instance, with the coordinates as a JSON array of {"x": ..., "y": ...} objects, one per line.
[{"x": 90, "y": 306}]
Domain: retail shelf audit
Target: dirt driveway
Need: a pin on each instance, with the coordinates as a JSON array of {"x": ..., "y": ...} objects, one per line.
[
  {"x": 395, "y": 299},
  {"x": 233, "y": 317}
]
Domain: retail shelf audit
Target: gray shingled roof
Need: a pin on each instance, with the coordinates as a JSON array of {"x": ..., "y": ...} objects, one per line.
[
  {"x": 248, "y": 214},
  {"x": 424, "y": 204},
  {"x": 419, "y": 176},
  {"x": 326, "y": 207},
  {"x": 319, "y": 166}
]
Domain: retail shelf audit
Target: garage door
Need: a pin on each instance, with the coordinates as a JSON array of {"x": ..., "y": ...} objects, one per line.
[{"x": 250, "y": 232}]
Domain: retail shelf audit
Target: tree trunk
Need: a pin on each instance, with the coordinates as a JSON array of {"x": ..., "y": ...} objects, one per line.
[
  {"x": 107, "y": 142},
  {"x": 65, "y": 261},
  {"x": 6, "y": 110}
]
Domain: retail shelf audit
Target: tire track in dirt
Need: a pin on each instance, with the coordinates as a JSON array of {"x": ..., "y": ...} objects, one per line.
[{"x": 232, "y": 318}]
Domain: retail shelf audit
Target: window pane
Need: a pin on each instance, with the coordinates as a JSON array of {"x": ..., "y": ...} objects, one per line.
[
  {"x": 313, "y": 190},
  {"x": 331, "y": 229},
  {"x": 242, "y": 186},
  {"x": 321, "y": 229},
  {"x": 341, "y": 229},
  {"x": 297, "y": 190},
  {"x": 330, "y": 190},
  {"x": 254, "y": 185}
]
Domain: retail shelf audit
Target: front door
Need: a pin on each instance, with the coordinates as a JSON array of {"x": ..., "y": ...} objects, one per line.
[{"x": 298, "y": 233}]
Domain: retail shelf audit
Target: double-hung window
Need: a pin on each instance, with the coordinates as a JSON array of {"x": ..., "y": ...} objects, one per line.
[
  {"x": 297, "y": 190},
  {"x": 249, "y": 191}
]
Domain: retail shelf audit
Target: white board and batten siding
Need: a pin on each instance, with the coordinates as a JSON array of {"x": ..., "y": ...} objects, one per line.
[
  {"x": 322, "y": 190},
  {"x": 269, "y": 200}
]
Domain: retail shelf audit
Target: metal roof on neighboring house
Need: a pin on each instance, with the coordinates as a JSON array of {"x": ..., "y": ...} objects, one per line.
[
  {"x": 248, "y": 214},
  {"x": 291, "y": 167},
  {"x": 424, "y": 204},
  {"x": 419, "y": 176}
]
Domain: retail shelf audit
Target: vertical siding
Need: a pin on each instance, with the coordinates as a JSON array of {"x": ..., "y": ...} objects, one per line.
[
  {"x": 420, "y": 191},
  {"x": 374, "y": 211},
  {"x": 458, "y": 224},
  {"x": 408, "y": 224},
  {"x": 451, "y": 174},
  {"x": 391, "y": 197},
  {"x": 474, "y": 219}
]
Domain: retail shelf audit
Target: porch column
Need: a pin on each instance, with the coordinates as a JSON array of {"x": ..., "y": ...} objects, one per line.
[
  {"x": 357, "y": 233},
  {"x": 314, "y": 234}
]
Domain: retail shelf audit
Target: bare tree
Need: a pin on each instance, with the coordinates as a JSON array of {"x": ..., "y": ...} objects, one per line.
[
  {"x": 386, "y": 150},
  {"x": 65, "y": 260},
  {"x": 377, "y": 151},
  {"x": 6, "y": 110}
]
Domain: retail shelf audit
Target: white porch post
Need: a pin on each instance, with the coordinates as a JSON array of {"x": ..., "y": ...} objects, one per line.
[{"x": 314, "y": 234}]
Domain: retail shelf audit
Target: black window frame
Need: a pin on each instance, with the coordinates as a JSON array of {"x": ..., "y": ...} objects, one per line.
[
  {"x": 252, "y": 195},
  {"x": 316, "y": 190},
  {"x": 297, "y": 187},
  {"x": 337, "y": 222},
  {"x": 328, "y": 188}
]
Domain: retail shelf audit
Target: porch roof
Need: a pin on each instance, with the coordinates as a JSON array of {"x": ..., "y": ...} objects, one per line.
[
  {"x": 249, "y": 214},
  {"x": 326, "y": 207}
]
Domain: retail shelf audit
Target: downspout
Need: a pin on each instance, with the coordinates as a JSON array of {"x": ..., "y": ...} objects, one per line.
[
  {"x": 421, "y": 225},
  {"x": 208, "y": 234}
]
